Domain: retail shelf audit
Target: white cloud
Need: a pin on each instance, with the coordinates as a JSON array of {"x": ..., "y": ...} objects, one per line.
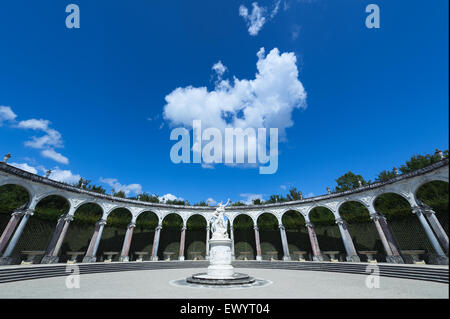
[
  {"x": 250, "y": 197},
  {"x": 267, "y": 101},
  {"x": 283, "y": 187},
  {"x": 25, "y": 167},
  {"x": 50, "y": 140},
  {"x": 51, "y": 153},
  {"x": 219, "y": 68},
  {"x": 127, "y": 189},
  {"x": 258, "y": 17},
  {"x": 65, "y": 176},
  {"x": 211, "y": 201},
  {"x": 6, "y": 114},
  {"x": 167, "y": 197}
]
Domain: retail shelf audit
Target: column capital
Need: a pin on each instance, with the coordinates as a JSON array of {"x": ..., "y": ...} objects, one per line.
[
  {"x": 377, "y": 216},
  {"x": 281, "y": 226},
  {"x": 255, "y": 227},
  {"x": 339, "y": 221},
  {"x": 159, "y": 227},
  {"x": 416, "y": 210},
  {"x": 183, "y": 228},
  {"x": 29, "y": 211},
  {"x": 309, "y": 224},
  {"x": 18, "y": 213},
  {"x": 67, "y": 217},
  {"x": 131, "y": 225},
  {"x": 101, "y": 222}
]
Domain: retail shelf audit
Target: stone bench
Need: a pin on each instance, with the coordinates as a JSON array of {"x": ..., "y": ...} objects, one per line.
[
  {"x": 245, "y": 255},
  {"x": 414, "y": 255},
  {"x": 109, "y": 256},
  {"x": 73, "y": 256},
  {"x": 168, "y": 255},
  {"x": 369, "y": 254},
  {"x": 196, "y": 255},
  {"x": 332, "y": 254},
  {"x": 300, "y": 255},
  {"x": 140, "y": 255},
  {"x": 272, "y": 255},
  {"x": 31, "y": 256}
]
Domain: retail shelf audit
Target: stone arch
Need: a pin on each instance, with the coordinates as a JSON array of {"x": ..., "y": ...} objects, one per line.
[
  {"x": 434, "y": 193},
  {"x": 170, "y": 235},
  {"x": 328, "y": 234},
  {"x": 195, "y": 240},
  {"x": 239, "y": 214},
  {"x": 244, "y": 236},
  {"x": 13, "y": 197},
  {"x": 269, "y": 235},
  {"x": 404, "y": 225},
  {"x": 296, "y": 233},
  {"x": 143, "y": 235},
  {"x": 31, "y": 192},
  {"x": 361, "y": 228},
  {"x": 114, "y": 231}
]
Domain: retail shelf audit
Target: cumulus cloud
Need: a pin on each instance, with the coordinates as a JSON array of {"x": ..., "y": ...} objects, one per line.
[
  {"x": 6, "y": 114},
  {"x": 250, "y": 197},
  {"x": 25, "y": 167},
  {"x": 258, "y": 16},
  {"x": 127, "y": 189},
  {"x": 211, "y": 201},
  {"x": 267, "y": 101},
  {"x": 65, "y": 176},
  {"x": 169, "y": 197},
  {"x": 50, "y": 140},
  {"x": 52, "y": 154}
]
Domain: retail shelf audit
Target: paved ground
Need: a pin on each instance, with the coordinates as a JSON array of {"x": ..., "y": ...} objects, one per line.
[{"x": 285, "y": 284}]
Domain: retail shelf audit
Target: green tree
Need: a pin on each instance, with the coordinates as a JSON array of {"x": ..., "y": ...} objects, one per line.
[
  {"x": 385, "y": 175},
  {"x": 294, "y": 194},
  {"x": 349, "y": 181},
  {"x": 419, "y": 161},
  {"x": 120, "y": 194}
]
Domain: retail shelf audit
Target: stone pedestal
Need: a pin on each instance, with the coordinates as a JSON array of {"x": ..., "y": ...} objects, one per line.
[
  {"x": 220, "y": 259},
  {"x": 50, "y": 260}
]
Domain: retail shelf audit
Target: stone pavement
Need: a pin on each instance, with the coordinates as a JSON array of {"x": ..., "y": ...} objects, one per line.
[{"x": 285, "y": 284}]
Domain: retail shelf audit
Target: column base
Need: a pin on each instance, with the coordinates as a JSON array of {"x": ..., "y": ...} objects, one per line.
[
  {"x": 124, "y": 258},
  {"x": 354, "y": 259},
  {"x": 286, "y": 258},
  {"x": 181, "y": 258},
  {"x": 317, "y": 258},
  {"x": 154, "y": 258},
  {"x": 6, "y": 260},
  {"x": 89, "y": 259},
  {"x": 49, "y": 260},
  {"x": 258, "y": 257},
  {"x": 395, "y": 259}
]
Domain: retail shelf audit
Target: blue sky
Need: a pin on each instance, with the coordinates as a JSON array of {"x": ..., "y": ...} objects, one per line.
[{"x": 374, "y": 97}]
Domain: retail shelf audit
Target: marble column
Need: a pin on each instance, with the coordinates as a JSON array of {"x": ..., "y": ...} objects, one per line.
[
  {"x": 156, "y": 242},
  {"x": 182, "y": 243},
  {"x": 284, "y": 242},
  {"x": 348, "y": 242},
  {"x": 233, "y": 257},
  {"x": 387, "y": 239},
  {"x": 95, "y": 241},
  {"x": 53, "y": 248},
  {"x": 441, "y": 258},
  {"x": 317, "y": 255},
  {"x": 258, "y": 243},
  {"x": 9, "y": 230},
  {"x": 437, "y": 228},
  {"x": 207, "y": 242},
  {"x": 124, "y": 254},
  {"x": 6, "y": 258}
]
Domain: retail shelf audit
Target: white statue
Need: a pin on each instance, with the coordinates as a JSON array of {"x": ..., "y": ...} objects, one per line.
[{"x": 219, "y": 226}]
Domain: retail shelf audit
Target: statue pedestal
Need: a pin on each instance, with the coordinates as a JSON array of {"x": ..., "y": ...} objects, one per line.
[{"x": 220, "y": 259}]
